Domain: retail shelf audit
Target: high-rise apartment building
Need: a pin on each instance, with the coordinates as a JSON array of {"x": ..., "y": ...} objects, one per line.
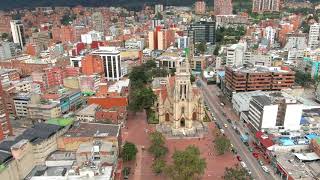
[
  {"x": 17, "y": 31},
  {"x": 222, "y": 7},
  {"x": 314, "y": 34},
  {"x": 235, "y": 54},
  {"x": 41, "y": 40},
  {"x": 158, "y": 8},
  {"x": 97, "y": 21},
  {"x": 202, "y": 31},
  {"x": 261, "y": 6},
  {"x": 160, "y": 38},
  {"x": 111, "y": 62},
  {"x": 5, "y": 126},
  {"x": 200, "y": 7},
  {"x": 7, "y": 50}
]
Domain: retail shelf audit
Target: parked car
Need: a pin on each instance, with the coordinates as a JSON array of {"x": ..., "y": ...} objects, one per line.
[
  {"x": 229, "y": 120},
  {"x": 222, "y": 104},
  {"x": 256, "y": 155},
  {"x": 243, "y": 164},
  {"x": 261, "y": 163},
  {"x": 265, "y": 169},
  {"x": 239, "y": 158},
  {"x": 222, "y": 131}
]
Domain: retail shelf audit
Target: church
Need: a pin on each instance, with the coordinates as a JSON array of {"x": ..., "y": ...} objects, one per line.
[{"x": 179, "y": 106}]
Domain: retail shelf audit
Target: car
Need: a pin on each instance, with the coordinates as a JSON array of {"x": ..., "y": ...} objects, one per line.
[
  {"x": 261, "y": 163},
  {"x": 229, "y": 120},
  {"x": 222, "y": 131},
  {"x": 256, "y": 155},
  {"x": 231, "y": 145},
  {"x": 243, "y": 164},
  {"x": 250, "y": 149},
  {"x": 222, "y": 104},
  {"x": 239, "y": 158},
  {"x": 225, "y": 125},
  {"x": 265, "y": 169}
]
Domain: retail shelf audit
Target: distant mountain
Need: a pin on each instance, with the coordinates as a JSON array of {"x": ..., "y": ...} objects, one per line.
[{"x": 11, "y": 4}]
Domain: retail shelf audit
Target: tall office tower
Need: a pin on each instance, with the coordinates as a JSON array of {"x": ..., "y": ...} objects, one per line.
[
  {"x": 314, "y": 34},
  {"x": 200, "y": 7},
  {"x": 98, "y": 21},
  {"x": 17, "y": 32},
  {"x": 222, "y": 7},
  {"x": 261, "y": 6},
  {"x": 203, "y": 31},
  {"x": 5, "y": 126},
  {"x": 111, "y": 62}
]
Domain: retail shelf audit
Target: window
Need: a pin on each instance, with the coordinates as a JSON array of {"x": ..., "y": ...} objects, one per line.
[{"x": 182, "y": 110}]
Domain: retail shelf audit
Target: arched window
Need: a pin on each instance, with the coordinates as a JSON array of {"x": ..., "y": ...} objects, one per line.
[
  {"x": 182, "y": 110},
  {"x": 167, "y": 117},
  {"x": 194, "y": 116}
]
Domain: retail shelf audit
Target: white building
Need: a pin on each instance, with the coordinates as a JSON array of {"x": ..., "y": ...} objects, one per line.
[
  {"x": 275, "y": 111},
  {"x": 135, "y": 44},
  {"x": 17, "y": 31},
  {"x": 314, "y": 33},
  {"x": 7, "y": 50},
  {"x": 183, "y": 42},
  {"x": 91, "y": 36},
  {"x": 21, "y": 102},
  {"x": 88, "y": 114},
  {"x": 235, "y": 54},
  {"x": 76, "y": 61},
  {"x": 111, "y": 62},
  {"x": 257, "y": 59},
  {"x": 270, "y": 34},
  {"x": 158, "y": 8}
]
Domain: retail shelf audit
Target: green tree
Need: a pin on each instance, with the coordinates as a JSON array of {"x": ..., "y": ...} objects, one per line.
[
  {"x": 4, "y": 36},
  {"x": 201, "y": 47},
  {"x": 303, "y": 78},
  {"x": 222, "y": 144},
  {"x": 129, "y": 151},
  {"x": 172, "y": 71},
  {"x": 235, "y": 174},
  {"x": 192, "y": 78},
  {"x": 150, "y": 64},
  {"x": 138, "y": 75},
  {"x": 142, "y": 98},
  {"x": 157, "y": 148},
  {"x": 158, "y": 166},
  {"x": 216, "y": 50},
  {"x": 187, "y": 164}
]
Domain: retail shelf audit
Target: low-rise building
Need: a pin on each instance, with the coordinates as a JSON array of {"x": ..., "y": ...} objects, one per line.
[
  {"x": 21, "y": 102},
  {"x": 88, "y": 133},
  {"x": 88, "y": 114}
]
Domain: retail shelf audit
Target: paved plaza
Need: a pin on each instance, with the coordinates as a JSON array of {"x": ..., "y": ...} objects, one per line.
[{"x": 137, "y": 131}]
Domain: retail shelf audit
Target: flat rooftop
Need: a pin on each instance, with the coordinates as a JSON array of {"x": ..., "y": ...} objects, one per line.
[
  {"x": 93, "y": 130},
  {"x": 258, "y": 69}
]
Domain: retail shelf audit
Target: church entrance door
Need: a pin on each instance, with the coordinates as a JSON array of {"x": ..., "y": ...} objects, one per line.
[{"x": 182, "y": 123}]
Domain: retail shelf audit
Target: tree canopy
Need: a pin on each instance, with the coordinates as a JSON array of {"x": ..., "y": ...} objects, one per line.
[
  {"x": 236, "y": 173},
  {"x": 142, "y": 98},
  {"x": 222, "y": 144},
  {"x": 129, "y": 151},
  {"x": 187, "y": 164},
  {"x": 201, "y": 47},
  {"x": 157, "y": 148},
  {"x": 303, "y": 78}
]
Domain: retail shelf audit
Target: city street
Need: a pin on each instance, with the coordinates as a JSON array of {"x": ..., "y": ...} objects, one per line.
[{"x": 213, "y": 102}]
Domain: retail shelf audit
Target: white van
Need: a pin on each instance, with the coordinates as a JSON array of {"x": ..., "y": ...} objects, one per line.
[{"x": 243, "y": 164}]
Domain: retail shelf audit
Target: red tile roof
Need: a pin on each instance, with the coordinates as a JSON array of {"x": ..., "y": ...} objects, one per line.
[
  {"x": 265, "y": 142},
  {"x": 109, "y": 102}
]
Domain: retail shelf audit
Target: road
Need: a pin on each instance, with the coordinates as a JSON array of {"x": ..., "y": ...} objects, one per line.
[{"x": 214, "y": 104}]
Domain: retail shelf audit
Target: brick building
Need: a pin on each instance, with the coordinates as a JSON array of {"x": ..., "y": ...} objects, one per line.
[
  {"x": 5, "y": 126},
  {"x": 258, "y": 78},
  {"x": 92, "y": 64}
]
